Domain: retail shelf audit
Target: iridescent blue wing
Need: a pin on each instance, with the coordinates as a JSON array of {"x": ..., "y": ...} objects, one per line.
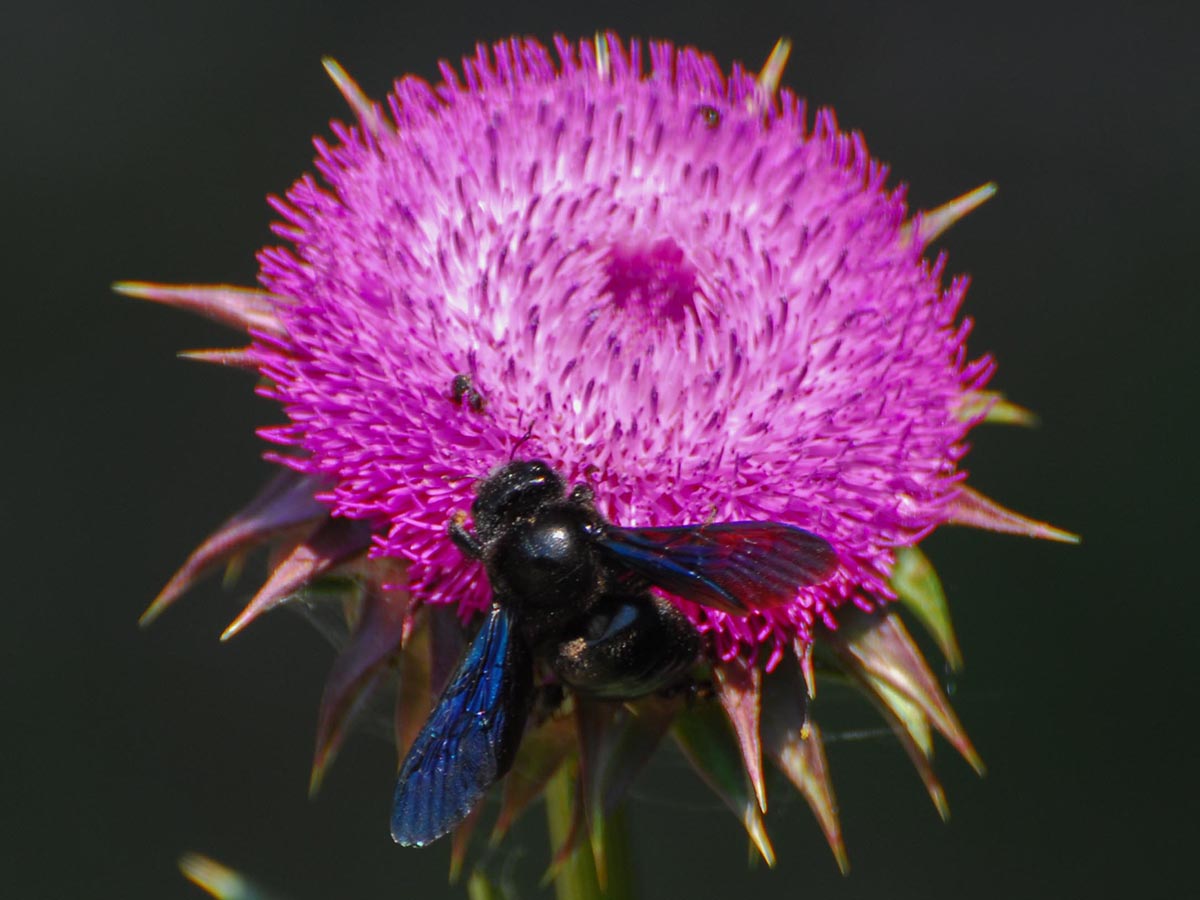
[
  {"x": 731, "y": 566},
  {"x": 470, "y": 738}
]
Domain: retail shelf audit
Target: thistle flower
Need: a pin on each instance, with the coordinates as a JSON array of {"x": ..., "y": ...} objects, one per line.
[{"x": 667, "y": 284}]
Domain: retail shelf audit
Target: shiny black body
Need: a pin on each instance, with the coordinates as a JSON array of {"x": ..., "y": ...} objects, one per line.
[
  {"x": 572, "y": 590},
  {"x": 598, "y": 627}
]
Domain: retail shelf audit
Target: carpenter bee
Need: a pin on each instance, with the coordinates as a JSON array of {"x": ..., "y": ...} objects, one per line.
[{"x": 573, "y": 590}]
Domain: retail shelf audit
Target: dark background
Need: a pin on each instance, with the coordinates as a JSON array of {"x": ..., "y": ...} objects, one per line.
[{"x": 140, "y": 140}]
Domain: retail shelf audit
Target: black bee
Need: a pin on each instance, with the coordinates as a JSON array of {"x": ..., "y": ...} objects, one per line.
[{"x": 573, "y": 590}]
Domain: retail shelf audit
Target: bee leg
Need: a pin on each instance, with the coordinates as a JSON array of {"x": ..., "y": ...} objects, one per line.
[
  {"x": 548, "y": 700},
  {"x": 581, "y": 495},
  {"x": 700, "y": 690},
  {"x": 463, "y": 539},
  {"x": 691, "y": 690}
]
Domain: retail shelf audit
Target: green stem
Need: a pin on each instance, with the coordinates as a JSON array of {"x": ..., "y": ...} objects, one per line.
[
  {"x": 577, "y": 878},
  {"x": 479, "y": 888}
]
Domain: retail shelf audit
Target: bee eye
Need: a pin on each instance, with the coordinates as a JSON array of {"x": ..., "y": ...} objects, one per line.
[{"x": 710, "y": 115}]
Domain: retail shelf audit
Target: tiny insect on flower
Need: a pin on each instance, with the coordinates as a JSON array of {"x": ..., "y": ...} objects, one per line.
[{"x": 612, "y": 267}]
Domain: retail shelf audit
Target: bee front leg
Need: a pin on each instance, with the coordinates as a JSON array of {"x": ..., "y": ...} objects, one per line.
[{"x": 463, "y": 539}]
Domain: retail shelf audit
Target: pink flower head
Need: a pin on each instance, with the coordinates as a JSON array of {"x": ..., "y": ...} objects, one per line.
[
  {"x": 657, "y": 278},
  {"x": 664, "y": 283}
]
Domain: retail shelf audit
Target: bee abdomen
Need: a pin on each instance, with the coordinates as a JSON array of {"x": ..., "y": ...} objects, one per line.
[{"x": 626, "y": 646}]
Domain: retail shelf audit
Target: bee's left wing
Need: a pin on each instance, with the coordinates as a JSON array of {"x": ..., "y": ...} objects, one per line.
[
  {"x": 470, "y": 738},
  {"x": 731, "y": 566}
]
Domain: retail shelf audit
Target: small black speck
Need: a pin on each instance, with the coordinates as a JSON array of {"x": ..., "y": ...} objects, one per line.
[{"x": 462, "y": 387}]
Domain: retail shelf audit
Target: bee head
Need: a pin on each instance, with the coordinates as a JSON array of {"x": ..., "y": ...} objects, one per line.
[{"x": 514, "y": 492}]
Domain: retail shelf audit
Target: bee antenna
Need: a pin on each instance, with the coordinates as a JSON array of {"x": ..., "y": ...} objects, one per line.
[{"x": 521, "y": 440}]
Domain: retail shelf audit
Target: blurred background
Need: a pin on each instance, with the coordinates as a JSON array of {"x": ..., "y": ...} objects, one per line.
[{"x": 140, "y": 141}]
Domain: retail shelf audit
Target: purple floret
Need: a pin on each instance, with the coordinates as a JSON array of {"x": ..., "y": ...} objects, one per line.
[{"x": 659, "y": 280}]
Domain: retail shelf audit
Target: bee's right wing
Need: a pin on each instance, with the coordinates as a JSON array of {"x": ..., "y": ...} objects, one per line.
[
  {"x": 735, "y": 567},
  {"x": 470, "y": 738}
]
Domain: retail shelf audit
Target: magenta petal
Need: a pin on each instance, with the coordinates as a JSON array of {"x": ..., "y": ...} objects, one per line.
[
  {"x": 382, "y": 625},
  {"x": 643, "y": 724},
  {"x": 232, "y": 357},
  {"x": 880, "y": 647},
  {"x": 797, "y": 748},
  {"x": 218, "y": 880},
  {"x": 739, "y": 688},
  {"x": 334, "y": 542},
  {"x": 935, "y": 222},
  {"x": 247, "y": 309},
  {"x": 446, "y": 646},
  {"x": 414, "y": 698},
  {"x": 702, "y": 733},
  {"x": 597, "y": 725},
  {"x": 911, "y": 729},
  {"x": 367, "y": 111},
  {"x": 615, "y": 742},
  {"x": 974, "y": 509},
  {"x": 429, "y": 658},
  {"x": 543, "y": 749},
  {"x": 284, "y": 503}
]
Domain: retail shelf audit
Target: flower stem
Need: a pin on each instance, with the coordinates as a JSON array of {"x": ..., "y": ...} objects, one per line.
[
  {"x": 577, "y": 878},
  {"x": 479, "y": 888}
]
